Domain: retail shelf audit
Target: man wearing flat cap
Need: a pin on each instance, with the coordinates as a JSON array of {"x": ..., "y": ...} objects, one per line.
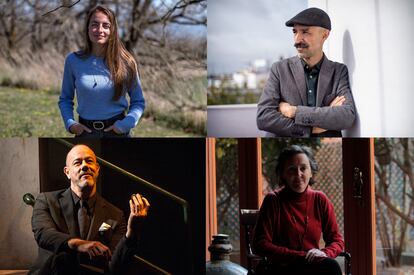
[{"x": 307, "y": 95}]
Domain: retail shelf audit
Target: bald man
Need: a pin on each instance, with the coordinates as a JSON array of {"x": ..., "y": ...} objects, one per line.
[{"x": 79, "y": 232}]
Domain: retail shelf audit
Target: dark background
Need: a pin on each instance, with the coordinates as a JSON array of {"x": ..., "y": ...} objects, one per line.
[{"x": 175, "y": 164}]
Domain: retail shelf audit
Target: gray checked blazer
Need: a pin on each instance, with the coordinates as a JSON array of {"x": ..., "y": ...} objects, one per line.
[{"x": 286, "y": 83}]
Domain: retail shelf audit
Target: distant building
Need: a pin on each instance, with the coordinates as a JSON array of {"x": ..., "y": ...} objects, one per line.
[
  {"x": 214, "y": 82},
  {"x": 244, "y": 79},
  {"x": 260, "y": 66},
  {"x": 252, "y": 78}
]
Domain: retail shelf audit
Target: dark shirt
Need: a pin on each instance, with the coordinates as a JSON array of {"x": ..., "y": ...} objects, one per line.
[
  {"x": 311, "y": 78},
  {"x": 91, "y": 206}
]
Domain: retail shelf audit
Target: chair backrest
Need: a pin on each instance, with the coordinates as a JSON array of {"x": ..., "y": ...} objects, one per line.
[{"x": 248, "y": 219}]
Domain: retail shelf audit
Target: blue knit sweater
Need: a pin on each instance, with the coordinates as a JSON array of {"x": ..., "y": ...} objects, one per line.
[{"x": 91, "y": 80}]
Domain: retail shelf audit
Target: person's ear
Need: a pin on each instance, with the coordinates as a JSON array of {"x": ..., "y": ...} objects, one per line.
[
  {"x": 98, "y": 167},
  {"x": 66, "y": 171},
  {"x": 326, "y": 34}
]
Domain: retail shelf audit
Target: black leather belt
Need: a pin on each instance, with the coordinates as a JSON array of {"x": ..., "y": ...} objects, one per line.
[{"x": 101, "y": 124}]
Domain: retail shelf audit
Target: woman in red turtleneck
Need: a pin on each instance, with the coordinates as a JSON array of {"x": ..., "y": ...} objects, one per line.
[{"x": 293, "y": 218}]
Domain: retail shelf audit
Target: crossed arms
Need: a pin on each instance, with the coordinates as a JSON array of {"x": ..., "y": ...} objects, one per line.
[
  {"x": 289, "y": 111},
  {"x": 279, "y": 112}
]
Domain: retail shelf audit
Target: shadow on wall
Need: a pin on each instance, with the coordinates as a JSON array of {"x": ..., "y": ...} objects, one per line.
[
  {"x": 348, "y": 58},
  {"x": 23, "y": 248}
]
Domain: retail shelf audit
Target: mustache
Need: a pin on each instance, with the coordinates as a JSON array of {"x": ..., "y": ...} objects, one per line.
[
  {"x": 86, "y": 173},
  {"x": 301, "y": 45}
]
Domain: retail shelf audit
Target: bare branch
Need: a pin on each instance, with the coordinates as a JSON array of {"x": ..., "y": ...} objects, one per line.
[
  {"x": 394, "y": 209},
  {"x": 61, "y": 6}
]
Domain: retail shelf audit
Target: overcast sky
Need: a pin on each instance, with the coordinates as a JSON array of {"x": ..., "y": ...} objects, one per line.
[{"x": 240, "y": 31}]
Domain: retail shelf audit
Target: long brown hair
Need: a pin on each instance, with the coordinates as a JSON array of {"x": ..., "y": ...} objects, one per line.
[{"x": 120, "y": 62}]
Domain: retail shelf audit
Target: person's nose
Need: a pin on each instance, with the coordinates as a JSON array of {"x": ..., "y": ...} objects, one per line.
[
  {"x": 298, "y": 37},
  {"x": 295, "y": 37},
  {"x": 85, "y": 166},
  {"x": 298, "y": 172},
  {"x": 100, "y": 28}
]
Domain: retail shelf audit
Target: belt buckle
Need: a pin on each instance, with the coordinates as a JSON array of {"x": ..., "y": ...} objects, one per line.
[{"x": 98, "y": 125}]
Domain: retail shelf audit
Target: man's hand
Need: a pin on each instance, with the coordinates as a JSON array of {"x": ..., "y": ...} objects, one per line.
[
  {"x": 78, "y": 129},
  {"x": 314, "y": 254},
  {"x": 93, "y": 248},
  {"x": 338, "y": 101},
  {"x": 317, "y": 130},
  {"x": 287, "y": 110},
  {"x": 139, "y": 210}
]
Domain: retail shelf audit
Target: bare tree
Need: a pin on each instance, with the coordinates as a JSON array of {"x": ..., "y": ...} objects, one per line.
[
  {"x": 167, "y": 38},
  {"x": 394, "y": 195}
]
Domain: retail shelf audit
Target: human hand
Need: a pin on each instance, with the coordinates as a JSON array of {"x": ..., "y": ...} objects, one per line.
[
  {"x": 287, "y": 110},
  {"x": 94, "y": 249},
  {"x": 338, "y": 101},
  {"x": 78, "y": 129},
  {"x": 315, "y": 253},
  {"x": 317, "y": 130},
  {"x": 139, "y": 210},
  {"x": 113, "y": 128}
]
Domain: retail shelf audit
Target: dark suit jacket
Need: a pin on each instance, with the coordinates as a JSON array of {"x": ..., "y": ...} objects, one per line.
[
  {"x": 54, "y": 223},
  {"x": 286, "y": 82}
]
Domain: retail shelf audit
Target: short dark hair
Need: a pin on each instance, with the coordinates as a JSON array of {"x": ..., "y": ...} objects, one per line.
[{"x": 289, "y": 152}]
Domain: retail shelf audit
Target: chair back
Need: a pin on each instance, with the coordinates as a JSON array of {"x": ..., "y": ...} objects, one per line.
[{"x": 248, "y": 219}]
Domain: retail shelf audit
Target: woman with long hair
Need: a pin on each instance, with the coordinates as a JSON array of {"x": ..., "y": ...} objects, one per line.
[
  {"x": 101, "y": 74},
  {"x": 293, "y": 218}
]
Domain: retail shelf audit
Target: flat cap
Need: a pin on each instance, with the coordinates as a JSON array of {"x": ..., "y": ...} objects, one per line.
[{"x": 311, "y": 17}]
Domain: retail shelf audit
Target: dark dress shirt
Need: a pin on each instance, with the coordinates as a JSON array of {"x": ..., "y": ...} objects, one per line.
[{"x": 311, "y": 78}]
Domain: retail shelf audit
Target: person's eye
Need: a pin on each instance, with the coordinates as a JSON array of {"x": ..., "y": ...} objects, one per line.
[{"x": 106, "y": 26}]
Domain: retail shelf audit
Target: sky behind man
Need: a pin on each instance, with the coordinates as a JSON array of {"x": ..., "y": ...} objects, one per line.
[{"x": 249, "y": 33}]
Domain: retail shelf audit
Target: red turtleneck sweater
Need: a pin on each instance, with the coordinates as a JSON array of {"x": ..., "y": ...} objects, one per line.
[{"x": 282, "y": 233}]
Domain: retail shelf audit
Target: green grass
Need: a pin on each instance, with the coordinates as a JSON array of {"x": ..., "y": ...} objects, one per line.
[{"x": 25, "y": 112}]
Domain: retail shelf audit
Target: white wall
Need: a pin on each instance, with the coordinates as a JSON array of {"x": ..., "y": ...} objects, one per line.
[
  {"x": 374, "y": 38},
  {"x": 19, "y": 174}
]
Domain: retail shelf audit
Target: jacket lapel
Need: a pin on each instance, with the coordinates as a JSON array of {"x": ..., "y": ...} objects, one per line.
[
  {"x": 66, "y": 204},
  {"x": 98, "y": 218},
  {"x": 299, "y": 76},
  {"x": 325, "y": 75}
]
